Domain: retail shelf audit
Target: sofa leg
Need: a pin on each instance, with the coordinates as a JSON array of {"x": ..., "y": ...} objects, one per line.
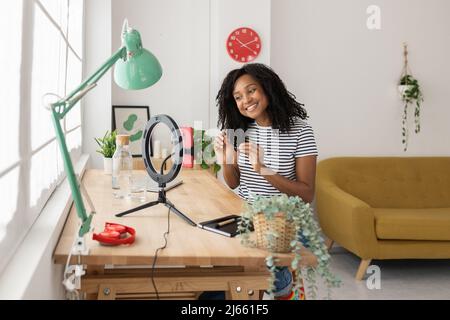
[
  {"x": 329, "y": 243},
  {"x": 362, "y": 269}
]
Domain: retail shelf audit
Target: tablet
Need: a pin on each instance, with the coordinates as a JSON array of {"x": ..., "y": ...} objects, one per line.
[{"x": 226, "y": 226}]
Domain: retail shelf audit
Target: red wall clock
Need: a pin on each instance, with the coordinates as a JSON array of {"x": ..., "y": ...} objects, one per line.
[{"x": 244, "y": 44}]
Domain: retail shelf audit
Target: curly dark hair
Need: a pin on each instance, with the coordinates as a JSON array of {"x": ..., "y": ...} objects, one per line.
[{"x": 282, "y": 108}]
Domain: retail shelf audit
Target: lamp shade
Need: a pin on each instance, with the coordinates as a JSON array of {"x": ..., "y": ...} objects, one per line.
[{"x": 140, "y": 69}]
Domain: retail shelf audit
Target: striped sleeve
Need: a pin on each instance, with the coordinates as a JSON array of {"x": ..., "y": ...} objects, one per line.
[{"x": 306, "y": 143}]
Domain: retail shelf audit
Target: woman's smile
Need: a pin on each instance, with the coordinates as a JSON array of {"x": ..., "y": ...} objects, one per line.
[{"x": 252, "y": 107}]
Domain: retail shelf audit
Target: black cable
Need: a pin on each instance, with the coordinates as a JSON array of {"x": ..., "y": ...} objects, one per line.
[
  {"x": 164, "y": 163},
  {"x": 156, "y": 254},
  {"x": 165, "y": 235}
]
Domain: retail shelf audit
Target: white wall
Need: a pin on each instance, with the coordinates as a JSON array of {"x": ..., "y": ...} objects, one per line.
[
  {"x": 97, "y": 103},
  {"x": 177, "y": 33},
  {"x": 227, "y": 16},
  {"x": 346, "y": 74},
  {"x": 188, "y": 37}
]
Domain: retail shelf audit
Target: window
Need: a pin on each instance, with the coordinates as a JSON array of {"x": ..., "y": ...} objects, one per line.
[{"x": 44, "y": 56}]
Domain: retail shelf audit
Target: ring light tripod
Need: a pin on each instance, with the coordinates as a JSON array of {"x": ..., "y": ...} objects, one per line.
[{"x": 160, "y": 178}]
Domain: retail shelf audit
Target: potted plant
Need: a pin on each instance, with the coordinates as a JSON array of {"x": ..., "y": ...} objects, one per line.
[
  {"x": 208, "y": 153},
  {"x": 107, "y": 148},
  {"x": 410, "y": 92},
  {"x": 280, "y": 221}
]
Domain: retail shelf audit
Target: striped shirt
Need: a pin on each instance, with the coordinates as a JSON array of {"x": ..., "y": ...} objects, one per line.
[{"x": 280, "y": 151}]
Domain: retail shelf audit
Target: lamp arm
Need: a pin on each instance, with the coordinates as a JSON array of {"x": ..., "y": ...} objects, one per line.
[
  {"x": 71, "y": 100},
  {"x": 58, "y": 112}
]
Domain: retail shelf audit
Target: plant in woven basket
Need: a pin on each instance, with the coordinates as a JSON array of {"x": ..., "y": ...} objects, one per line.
[{"x": 281, "y": 224}]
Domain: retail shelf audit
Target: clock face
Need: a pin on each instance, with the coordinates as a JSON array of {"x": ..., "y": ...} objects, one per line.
[{"x": 243, "y": 45}]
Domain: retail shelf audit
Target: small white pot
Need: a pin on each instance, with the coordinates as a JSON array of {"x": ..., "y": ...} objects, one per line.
[
  {"x": 107, "y": 165},
  {"x": 402, "y": 89}
]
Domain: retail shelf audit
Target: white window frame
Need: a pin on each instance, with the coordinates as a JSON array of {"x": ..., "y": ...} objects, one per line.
[{"x": 23, "y": 210}]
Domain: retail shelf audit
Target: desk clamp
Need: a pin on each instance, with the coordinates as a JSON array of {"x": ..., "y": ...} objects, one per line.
[{"x": 73, "y": 273}]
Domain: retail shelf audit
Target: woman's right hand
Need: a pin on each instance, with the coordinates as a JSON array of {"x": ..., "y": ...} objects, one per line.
[{"x": 224, "y": 149}]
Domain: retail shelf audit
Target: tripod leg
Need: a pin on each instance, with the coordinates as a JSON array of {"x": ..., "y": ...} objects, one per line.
[
  {"x": 179, "y": 213},
  {"x": 147, "y": 205}
]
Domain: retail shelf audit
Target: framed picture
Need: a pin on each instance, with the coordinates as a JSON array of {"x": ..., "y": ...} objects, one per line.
[{"x": 131, "y": 120}]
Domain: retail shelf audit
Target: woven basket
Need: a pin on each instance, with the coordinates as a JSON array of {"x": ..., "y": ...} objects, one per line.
[{"x": 279, "y": 225}]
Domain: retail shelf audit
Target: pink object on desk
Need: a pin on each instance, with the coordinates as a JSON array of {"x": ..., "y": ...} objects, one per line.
[{"x": 188, "y": 146}]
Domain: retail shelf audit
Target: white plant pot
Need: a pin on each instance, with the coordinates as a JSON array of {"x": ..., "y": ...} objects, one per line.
[
  {"x": 107, "y": 165},
  {"x": 402, "y": 89}
]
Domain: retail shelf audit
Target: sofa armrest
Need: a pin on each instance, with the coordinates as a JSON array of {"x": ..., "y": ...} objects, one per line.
[{"x": 346, "y": 219}]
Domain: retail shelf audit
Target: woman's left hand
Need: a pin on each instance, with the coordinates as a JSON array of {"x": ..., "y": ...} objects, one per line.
[{"x": 255, "y": 154}]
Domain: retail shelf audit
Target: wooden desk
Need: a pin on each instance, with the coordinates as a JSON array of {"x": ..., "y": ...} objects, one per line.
[{"x": 199, "y": 260}]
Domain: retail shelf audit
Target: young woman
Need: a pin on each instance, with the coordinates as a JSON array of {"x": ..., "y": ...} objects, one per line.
[{"x": 279, "y": 152}]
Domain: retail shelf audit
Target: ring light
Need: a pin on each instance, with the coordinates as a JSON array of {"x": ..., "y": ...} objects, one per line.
[
  {"x": 178, "y": 153},
  {"x": 161, "y": 178}
]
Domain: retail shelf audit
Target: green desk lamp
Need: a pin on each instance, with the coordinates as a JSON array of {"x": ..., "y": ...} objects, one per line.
[{"x": 136, "y": 68}]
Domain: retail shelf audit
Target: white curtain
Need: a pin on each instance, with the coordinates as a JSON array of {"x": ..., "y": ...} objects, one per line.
[{"x": 51, "y": 32}]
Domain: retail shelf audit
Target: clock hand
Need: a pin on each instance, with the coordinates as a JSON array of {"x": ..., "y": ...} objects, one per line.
[
  {"x": 248, "y": 42},
  {"x": 244, "y": 45}
]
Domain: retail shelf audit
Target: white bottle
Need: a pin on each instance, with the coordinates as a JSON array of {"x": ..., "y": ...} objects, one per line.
[{"x": 122, "y": 167}]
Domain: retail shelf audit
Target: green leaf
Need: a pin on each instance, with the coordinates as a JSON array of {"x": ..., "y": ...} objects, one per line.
[
  {"x": 107, "y": 144},
  {"x": 300, "y": 214},
  {"x": 204, "y": 165},
  {"x": 216, "y": 168}
]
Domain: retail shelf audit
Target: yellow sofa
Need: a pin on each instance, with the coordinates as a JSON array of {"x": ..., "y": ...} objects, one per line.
[{"x": 386, "y": 207}]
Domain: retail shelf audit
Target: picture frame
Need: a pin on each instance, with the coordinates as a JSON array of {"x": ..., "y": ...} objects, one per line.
[{"x": 131, "y": 120}]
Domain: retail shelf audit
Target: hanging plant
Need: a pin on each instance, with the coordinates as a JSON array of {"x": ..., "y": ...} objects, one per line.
[
  {"x": 282, "y": 224},
  {"x": 410, "y": 93}
]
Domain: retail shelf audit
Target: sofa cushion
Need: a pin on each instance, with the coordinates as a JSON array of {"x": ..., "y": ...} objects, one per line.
[
  {"x": 412, "y": 224},
  {"x": 392, "y": 182}
]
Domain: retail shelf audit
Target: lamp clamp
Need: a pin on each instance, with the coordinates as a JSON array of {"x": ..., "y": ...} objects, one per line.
[
  {"x": 72, "y": 277},
  {"x": 80, "y": 247}
]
